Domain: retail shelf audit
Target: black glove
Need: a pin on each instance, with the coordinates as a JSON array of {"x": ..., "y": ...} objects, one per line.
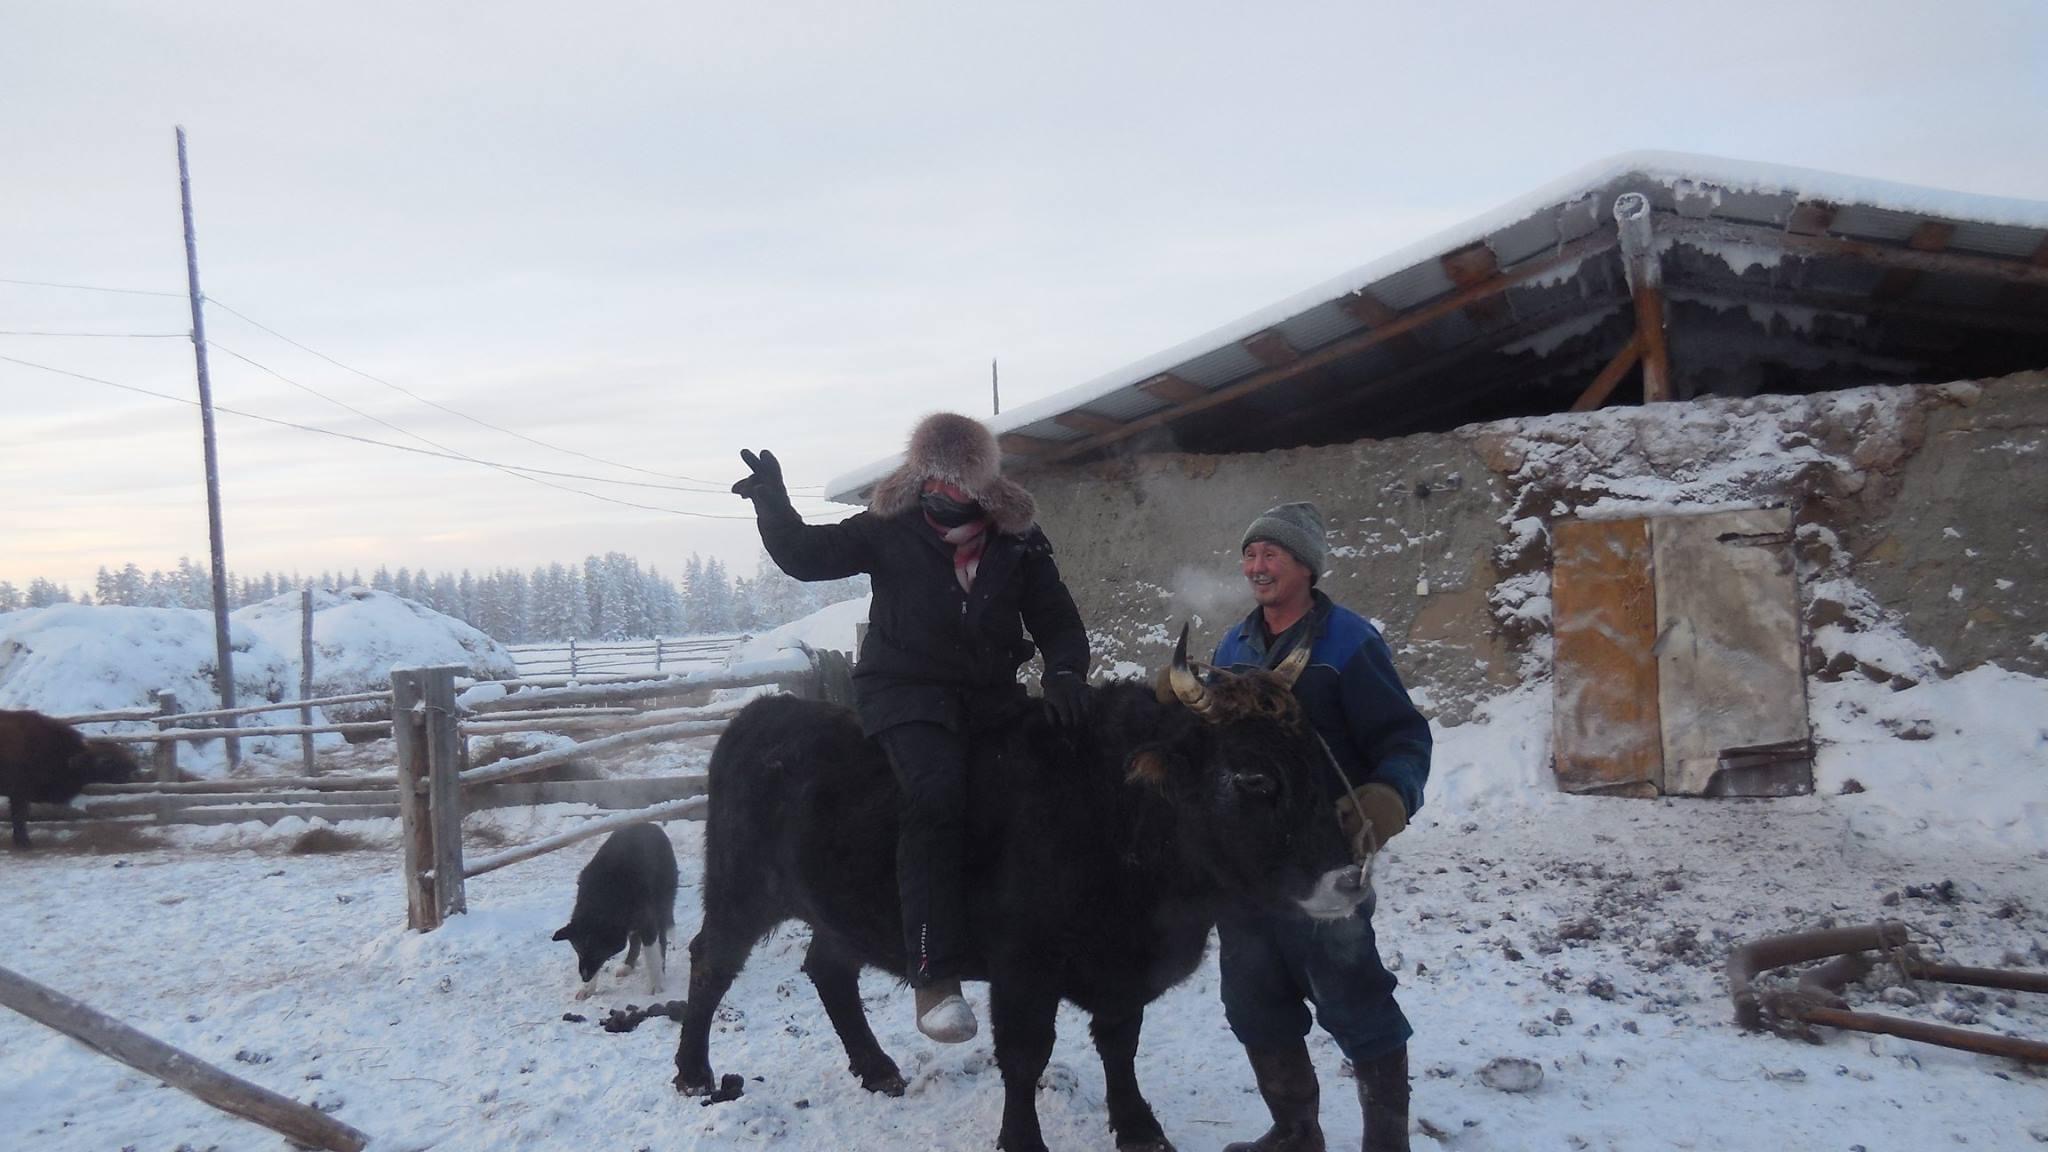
[
  {"x": 1066, "y": 699},
  {"x": 766, "y": 480}
]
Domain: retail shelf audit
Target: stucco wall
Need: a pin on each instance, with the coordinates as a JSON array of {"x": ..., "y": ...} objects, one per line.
[{"x": 1921, "y": 507}]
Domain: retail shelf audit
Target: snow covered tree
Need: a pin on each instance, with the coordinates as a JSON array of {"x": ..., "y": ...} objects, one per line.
[{"x": 42, "y": 593}]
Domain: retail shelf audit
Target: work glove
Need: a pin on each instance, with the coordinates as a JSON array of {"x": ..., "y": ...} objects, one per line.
[
  {"x": 765, "y": 481},
  {"x": 1066, "y": 699},
  {"x": 1370, "y": 816}
]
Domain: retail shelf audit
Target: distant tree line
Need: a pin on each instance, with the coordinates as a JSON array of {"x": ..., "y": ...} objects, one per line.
[{"x": 607, "y": 597}]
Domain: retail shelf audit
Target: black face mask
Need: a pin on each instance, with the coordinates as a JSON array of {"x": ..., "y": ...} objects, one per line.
[{"x": 948, "y": 512}]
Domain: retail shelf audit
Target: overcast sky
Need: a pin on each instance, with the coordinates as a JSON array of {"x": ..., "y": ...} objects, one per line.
[{"x": 655, "y": 234}]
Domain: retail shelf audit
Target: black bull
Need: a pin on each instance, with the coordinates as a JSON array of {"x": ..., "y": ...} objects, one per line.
[{"x": 1096, "y": 865}]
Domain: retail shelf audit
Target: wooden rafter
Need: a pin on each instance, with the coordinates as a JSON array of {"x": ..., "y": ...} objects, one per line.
[
  {"x": 1476, "y": 264},
  {"x": 1271, "y": 348},
  {"x": 1089, "y": 422},
  {"x": 1898, "y": 283},
  {"x": 1173, "y": 389},
  {"x": 1374, "y": 312},
  {"x": 1018, "y": 444},
  {"x": 1597, "y": 392},
  {"x": 1563, "y": 256},
  {"x": 1811, "y": 218},
  {"x": 1337, "y": 407}
]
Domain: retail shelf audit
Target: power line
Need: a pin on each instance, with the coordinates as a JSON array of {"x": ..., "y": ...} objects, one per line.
[
  {"x": 245, "y": 318},
  {"x": 457, "y": 453},
  {"x": 510, "y": 470},
  {"x": 93, "y": 288},
  {"x": 120, "y": 335}
]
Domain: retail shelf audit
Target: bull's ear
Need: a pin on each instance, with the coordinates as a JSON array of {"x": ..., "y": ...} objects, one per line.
[
  {"x": 562, "y": 933},
  {"x": 1152, "y": 764}
]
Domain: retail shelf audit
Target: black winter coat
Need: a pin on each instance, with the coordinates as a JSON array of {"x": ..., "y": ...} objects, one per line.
[{"x": 934, "y": 653}]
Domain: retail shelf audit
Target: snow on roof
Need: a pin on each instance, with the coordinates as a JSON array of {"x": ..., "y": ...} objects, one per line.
[{"x": 1710, "y": 182}]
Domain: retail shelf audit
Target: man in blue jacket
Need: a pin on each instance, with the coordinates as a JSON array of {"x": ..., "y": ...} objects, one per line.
[{"x": 1379, "y": 761}]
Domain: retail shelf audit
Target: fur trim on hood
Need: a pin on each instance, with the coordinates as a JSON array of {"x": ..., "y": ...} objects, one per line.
[{"x": 958, "y": 450}]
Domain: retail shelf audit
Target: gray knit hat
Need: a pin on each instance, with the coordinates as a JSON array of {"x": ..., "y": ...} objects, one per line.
[{"x": 1297, "y": 527}]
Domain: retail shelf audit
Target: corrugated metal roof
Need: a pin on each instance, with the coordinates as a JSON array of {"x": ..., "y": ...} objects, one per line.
[{"x": 1531, "y": 228}]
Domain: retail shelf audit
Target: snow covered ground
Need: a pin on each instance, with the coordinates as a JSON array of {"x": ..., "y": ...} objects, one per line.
[{"x": 1587, "y": 935}]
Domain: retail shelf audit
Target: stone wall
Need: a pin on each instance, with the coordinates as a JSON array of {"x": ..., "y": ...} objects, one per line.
[{"x": 1921, "y": 510}]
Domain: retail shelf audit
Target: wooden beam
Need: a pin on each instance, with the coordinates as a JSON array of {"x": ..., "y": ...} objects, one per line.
[
  {"x": 2004, "y": 268},
  {"x": 1597, "y": 392},
  {"x": 1632, "y": 217},
  {"x": 1173, "y": 389},
  {"x": 1374, "y": 312},
  {"x": 1271, "y": 348},
  {"x": 109, "y": 1037},
  {"x": 1339, "y": 406},
  {"x": 1018, "y": 444},
  {"x": 1564, "y": 255},
  {"x": 1082, "y": 421},
  {"x": 1898, "y": 283},
  {"x": 1476, "y": 264},
  {"x": 1811, "y": 218}
]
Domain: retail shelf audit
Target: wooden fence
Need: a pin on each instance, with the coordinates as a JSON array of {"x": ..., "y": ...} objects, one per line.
[
  {"x": 578, "y": 657},
  {"x": 433, "y": 785}
]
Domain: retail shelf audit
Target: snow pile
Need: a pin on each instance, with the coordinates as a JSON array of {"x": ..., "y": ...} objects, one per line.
[
  {"x": 360, "y": 634},
  {"x": 831, "y": 628},
  {"x": 1964, "y": 758},
  {"x": 70, "y": 659}
]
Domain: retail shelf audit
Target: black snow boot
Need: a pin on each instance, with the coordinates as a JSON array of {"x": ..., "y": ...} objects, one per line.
[
  {"x": 1287, "y": 1080},
  {"x": 1383, "y": 1097}
]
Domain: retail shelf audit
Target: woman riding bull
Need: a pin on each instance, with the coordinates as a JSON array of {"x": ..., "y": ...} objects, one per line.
[{"x": 961, "y": 572}]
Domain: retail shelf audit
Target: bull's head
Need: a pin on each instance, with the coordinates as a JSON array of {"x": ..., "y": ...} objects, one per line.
[{"x": 1243, "y": 767}]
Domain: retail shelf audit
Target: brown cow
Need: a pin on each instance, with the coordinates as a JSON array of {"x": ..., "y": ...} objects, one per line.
[{"x": 46, "y": 761}]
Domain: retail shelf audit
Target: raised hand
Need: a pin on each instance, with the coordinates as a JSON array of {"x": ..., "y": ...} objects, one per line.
[{"x": 764, "y": 479}]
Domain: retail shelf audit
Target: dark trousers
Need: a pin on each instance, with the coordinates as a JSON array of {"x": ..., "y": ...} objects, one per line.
[
  {"x": 930, "y": 762},
  {"x": 1272, "y": 961}
]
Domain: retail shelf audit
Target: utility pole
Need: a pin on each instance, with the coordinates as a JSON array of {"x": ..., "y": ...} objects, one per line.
[
  {"x": 995, "y": 387},
  {"x": 224, "y": 658}
]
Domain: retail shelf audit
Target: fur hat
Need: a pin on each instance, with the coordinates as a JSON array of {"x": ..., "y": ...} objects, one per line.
[
  {"x": 958, "y": 450},
  {"x": 1297, "y": 527}
]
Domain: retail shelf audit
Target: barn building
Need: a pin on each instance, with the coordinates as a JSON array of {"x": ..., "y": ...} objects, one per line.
[{"x": 1678, "y": 435}]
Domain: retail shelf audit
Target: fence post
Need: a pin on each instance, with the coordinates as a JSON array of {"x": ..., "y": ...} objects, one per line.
[
  {"x": 416, "y": 830},
  {"x": 306, "y": 676},
  {"x": 572, "y": 657},
  {"x": 443, "y": 741},
  {"x": 167, "y": 751},
  {"x": 657, "y": 654}
]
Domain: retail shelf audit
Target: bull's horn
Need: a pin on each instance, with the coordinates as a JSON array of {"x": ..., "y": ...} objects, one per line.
[
  {"x": 1186, "y": 684},
  {"x": 1289, "y": 670}
]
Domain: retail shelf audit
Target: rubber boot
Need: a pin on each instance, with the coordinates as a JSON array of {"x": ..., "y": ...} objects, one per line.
[
  {"x": 1383, "y": 1098},
  {"x": 944, "y": 1014},
  {"x": 1287, "y": 1080}
]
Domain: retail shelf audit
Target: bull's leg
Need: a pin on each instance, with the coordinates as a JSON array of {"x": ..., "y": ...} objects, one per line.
[
  {"x": 1021, "y": 1005},
  {"x": 717, "y": 954},
  {"x": 632, "y": 954},
  {"x": 837, "y": 979},
  {"x": 1116, "y": 1038},
  {"x": 17, "y": 809}
]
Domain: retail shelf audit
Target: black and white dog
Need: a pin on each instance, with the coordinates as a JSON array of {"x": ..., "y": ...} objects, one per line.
[{"x": 625, "y": 898}]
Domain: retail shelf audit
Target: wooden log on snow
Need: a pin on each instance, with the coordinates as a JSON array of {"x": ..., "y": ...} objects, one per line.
[{"x": 176, "y": 1067}]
